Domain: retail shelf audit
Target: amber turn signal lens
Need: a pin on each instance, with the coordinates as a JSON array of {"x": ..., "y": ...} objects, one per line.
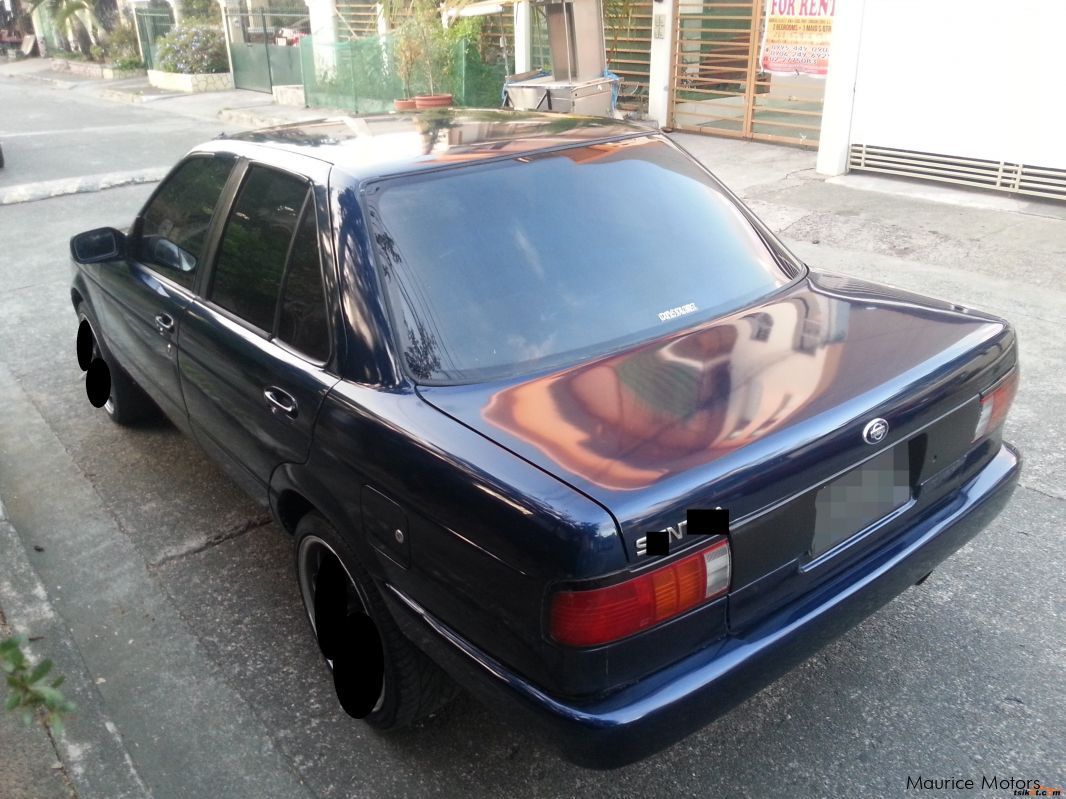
[{"x": 995, "y": 402}]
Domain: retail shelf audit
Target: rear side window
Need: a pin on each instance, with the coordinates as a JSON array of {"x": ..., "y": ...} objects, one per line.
[
  {"x": 255, "y": 245},
  {"x": 175, "y": 224},
  {"x": 302, "y": 320}
]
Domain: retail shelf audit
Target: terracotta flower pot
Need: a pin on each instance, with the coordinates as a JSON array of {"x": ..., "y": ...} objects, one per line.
[
  {"x": 405, "y": 105},
  {"x": 433, "y": 101}
]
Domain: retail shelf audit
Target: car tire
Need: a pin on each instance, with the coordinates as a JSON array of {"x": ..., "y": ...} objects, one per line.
[
  {"x": 379, "y": 675},
  {"x": 127, "y": 404}
]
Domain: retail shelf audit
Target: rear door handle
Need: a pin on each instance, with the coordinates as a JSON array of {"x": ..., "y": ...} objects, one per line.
[
  {"x": 165, "y": 322},
  {"x": 280, "y": 400}
]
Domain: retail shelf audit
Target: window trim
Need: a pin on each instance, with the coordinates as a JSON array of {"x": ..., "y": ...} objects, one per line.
[{"x": 206, "y": 249}]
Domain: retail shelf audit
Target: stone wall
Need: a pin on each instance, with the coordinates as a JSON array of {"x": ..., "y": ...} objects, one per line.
[
  {"x": 200, "y": 82},
  {"x": 92, "y": 70}
]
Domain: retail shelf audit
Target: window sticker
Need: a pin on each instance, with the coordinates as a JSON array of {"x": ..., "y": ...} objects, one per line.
[{"x": 673, "y": 313}]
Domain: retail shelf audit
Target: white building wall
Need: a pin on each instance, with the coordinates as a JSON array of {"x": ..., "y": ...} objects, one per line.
[{"x": 980, "y": 79}]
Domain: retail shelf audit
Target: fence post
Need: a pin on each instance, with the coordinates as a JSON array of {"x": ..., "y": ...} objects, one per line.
[
  {"x": 266, "y": 51},
  {"x": 224, "y": 8}
]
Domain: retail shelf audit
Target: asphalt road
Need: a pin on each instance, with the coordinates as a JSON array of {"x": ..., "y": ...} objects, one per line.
[{"x": 178, "y": 595}]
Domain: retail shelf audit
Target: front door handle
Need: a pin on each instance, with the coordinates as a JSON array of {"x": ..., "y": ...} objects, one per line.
[
  {"x": 165, "y": 322},
  {"x": 280, "y": 400}
]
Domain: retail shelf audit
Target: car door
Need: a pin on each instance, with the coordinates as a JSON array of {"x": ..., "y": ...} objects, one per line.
[
  {"x": 256, "y": 346},
  {"x": 148, "y": 297}
]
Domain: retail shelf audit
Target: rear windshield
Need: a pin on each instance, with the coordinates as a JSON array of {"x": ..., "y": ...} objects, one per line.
[{"x": 543, "y": 261}]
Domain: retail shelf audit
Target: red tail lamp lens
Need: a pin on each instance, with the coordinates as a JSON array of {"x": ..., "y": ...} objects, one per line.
[
  {"x": 995, "y": 403},
  {"x": 600, "y": 615}
]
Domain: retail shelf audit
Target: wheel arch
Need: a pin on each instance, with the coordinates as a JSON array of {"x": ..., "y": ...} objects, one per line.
[
  {"x": 290, "y": 506},
  {"x": 294, "y": 493}
]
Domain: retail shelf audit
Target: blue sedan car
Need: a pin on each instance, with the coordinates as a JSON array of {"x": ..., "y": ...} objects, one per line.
[{"x": 549, "y": 413}]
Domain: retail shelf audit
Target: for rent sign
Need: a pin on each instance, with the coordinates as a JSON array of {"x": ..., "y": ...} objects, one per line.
[{"x": 795, "y": 37}]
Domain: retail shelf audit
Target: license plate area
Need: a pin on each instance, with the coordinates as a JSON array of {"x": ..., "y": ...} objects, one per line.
[{"x": 851, "y": 502}]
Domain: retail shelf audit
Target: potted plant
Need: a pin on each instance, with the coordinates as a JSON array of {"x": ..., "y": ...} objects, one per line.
[
  {"x": 428, "y": 30},
  {"x": 408, "y": 52}
]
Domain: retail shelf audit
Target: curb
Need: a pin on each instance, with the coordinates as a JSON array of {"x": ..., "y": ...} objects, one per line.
[
  {"x": 249, "y": 118},
  {"x": 46, "y": 189},
  {"x": 119, "y": 96},
  {"x": 91, "y": 748},
  {"x": 56, "y": 83}
]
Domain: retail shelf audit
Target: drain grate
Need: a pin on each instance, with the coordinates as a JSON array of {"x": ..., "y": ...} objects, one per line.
[{"x": 998, "y": 175}]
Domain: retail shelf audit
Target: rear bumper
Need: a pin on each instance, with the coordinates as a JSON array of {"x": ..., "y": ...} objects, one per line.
[{"x": 675, "y": 702}]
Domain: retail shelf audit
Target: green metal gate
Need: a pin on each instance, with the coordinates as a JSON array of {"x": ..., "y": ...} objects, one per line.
[
  {"x": 152, "y": 23},
  {"x": 265, "y": 48}
]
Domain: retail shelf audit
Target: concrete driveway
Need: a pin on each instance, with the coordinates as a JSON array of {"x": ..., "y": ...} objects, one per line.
[{"x": 169, "y": 600}]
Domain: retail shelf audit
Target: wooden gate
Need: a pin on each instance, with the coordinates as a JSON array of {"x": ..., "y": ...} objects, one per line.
[{"x": 717, "y": 86}]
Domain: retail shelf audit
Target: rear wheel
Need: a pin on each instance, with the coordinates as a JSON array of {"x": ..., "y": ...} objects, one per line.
[
  {"x": 378, "y": 674},
  {"x": 106, "y": 383}
]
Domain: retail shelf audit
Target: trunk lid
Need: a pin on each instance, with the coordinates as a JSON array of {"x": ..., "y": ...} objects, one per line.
[{"x": 749, "y": 410}]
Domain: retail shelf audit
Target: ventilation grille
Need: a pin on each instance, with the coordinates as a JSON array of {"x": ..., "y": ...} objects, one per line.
[{"x": 999, "y": 175}]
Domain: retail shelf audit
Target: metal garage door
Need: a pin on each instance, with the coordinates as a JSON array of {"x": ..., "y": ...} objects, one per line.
[{"x": 718, "y": 86}]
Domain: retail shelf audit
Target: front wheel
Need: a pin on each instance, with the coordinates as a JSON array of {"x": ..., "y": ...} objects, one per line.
[
  {"x": 124, "y": 402},
  {"x": 379, "y": 675}
]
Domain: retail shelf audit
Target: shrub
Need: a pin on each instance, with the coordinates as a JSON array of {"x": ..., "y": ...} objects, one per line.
[
  {"x": 127, "y": 63},
  {"x": 121, "y": 45},
  {"x": 193, "y": 47},
  {"x": 202, "y": 9}
]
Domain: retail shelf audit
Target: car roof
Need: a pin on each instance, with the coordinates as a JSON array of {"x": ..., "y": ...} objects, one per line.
[{"x": 375, "y": 146}]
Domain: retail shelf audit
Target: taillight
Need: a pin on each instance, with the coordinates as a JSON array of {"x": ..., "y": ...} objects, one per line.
[
  {"x": 599, "y": 615},
  {"x": 995, "y": 402}
]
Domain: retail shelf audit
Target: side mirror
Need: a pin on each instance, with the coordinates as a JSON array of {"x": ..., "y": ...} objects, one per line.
[{"x": 94, "y": 246}]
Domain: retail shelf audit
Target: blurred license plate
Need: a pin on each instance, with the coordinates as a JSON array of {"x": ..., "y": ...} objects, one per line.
[{"x": 855, "y": 500}]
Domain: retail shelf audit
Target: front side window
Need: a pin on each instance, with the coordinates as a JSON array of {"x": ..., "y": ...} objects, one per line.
[
  {"x": 550, "y": 259},
  {"x": 255, "y": 245},
  {"x": 175, "y": 224}
]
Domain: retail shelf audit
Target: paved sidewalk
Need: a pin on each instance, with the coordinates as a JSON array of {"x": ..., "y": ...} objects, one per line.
[
  {"x": 237, "y": 106},
  {"x": 90, "y": 758},
  {"x": 30, "y": 766}
]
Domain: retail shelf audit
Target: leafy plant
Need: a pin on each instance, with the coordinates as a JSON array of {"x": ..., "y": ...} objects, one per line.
[
  {"x": 127, "y": 63},
  {"x": 425, "y": 29},
  {"x": 407, "y": 52},
  {"x": 28, "y": 687},
  {"x": 80, "y": 17},
  {"x": 122, "y": 50},
  {"x": 201, "y": 9},
  {"x": 194, "y": 46}
]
